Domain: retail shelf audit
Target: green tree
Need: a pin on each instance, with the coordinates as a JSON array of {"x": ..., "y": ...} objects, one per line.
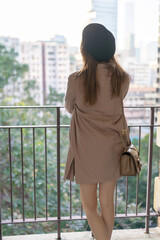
[
  {"x": 54, "y": 97},
  {"x": 10, "y": 68},
  {"x": 30, "y": 91}
]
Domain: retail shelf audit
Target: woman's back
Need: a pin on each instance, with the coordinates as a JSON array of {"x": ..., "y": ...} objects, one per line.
[{"x": 105, "y": 103}]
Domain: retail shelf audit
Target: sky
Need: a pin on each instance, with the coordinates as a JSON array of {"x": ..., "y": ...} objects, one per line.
[{"x": 32, "y": 20}]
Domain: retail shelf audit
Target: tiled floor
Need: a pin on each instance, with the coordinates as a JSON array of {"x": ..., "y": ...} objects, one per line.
[{"x": 126, "y": 234}]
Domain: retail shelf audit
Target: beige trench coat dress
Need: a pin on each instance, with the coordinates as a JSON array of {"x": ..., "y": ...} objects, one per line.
[{"x": 95, "y": 143}]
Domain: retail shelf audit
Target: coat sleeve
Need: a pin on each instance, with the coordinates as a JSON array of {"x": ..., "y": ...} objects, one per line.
[
  {"x": 70, "y": 95},
  {"x": 125, "y": 91}
]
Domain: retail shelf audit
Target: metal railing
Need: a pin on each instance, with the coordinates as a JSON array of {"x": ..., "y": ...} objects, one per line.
[{"x": 147, "y": 214}]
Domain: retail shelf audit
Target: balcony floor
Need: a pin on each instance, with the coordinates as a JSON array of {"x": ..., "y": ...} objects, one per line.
[{"x": 125, "y": 234}]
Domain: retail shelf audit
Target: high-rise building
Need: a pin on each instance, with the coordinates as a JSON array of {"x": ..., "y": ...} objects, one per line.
[
  {"x": 76, "y": 62},
  {"x": 48, "y": 64},
  {"x": 104, "y": 12},
  {"x": 31, "y": 54},
  {"x": 140, "y": 73},
  {"x": 56, "y": 64},
  {"x": 129, "y": 16},
  {"x": 139, "y": 96},
  {"x": 129, "y": 29},
  {"x": 151, "y": 51}
]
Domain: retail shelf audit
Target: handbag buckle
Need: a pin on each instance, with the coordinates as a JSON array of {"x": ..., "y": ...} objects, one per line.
[{"x": 124, "y": 131}]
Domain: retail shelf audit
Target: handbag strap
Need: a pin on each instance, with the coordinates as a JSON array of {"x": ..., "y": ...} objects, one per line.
[{"x": 123, "y": 132}]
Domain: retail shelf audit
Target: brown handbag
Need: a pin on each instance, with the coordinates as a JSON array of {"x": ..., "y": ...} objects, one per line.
[{"x": 130, "y": 163}]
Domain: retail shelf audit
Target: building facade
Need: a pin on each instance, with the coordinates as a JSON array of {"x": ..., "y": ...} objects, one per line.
[
  {"x": 31, "y": 54},
  {"x": 139, "y": 96}
]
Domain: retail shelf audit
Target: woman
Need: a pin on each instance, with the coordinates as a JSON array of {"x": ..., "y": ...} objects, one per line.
[{"x": 93, "y": 98}]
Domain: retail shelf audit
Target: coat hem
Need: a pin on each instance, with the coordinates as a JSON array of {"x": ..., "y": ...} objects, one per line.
[
  {"x": 71, "y": 171},
  {"x": 99, "y": 181}
]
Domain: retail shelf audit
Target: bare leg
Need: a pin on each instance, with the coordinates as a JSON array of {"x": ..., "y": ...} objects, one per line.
[
  {"x": 106, "y": 198},
  {"x": 88, "y": 193}
]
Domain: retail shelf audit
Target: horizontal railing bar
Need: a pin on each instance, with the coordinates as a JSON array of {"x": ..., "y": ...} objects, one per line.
[
  {"x": 66, "y": 218},
  {"x": 64, "y": 126},
  {"x": 50, "y": 106},
  {"x": 35, "y": 126},
  {"x": 12, "y": 107}
]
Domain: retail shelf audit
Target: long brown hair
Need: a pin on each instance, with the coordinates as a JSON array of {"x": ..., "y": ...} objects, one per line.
[{"x": 90, "y": 83}]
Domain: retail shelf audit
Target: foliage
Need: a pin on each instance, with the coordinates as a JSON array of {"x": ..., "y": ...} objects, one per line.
[
  {"x": 54, "y": 97},
  {"x": 10, "y": 68}
]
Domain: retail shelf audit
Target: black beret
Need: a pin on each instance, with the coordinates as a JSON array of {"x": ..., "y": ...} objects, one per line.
[{"x": 98, "y": 41}]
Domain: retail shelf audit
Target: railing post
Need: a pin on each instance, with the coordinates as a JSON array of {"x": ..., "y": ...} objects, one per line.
[
  {"x": 1, "y": 190},
  {"x": 149, "y": 173},
  {"x": 58, "y": 177},
  {"x": 0, "y": 213}
]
